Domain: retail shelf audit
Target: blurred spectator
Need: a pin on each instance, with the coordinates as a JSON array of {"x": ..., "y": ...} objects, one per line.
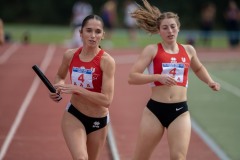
[
  {"x": 232, "y": 17},
  {"x": 129, "y": 22},
  {"x": 109, "y": 16},
  {"x": 191, "y": 39},
  {"x": 80, "y": 10},
  {"x": 26, "y": 37},
  {"x": 1, "y": 32},
  {"x": 208, "y": 13}
]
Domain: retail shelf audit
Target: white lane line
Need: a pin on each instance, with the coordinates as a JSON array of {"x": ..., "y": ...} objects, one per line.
[
  {"x": 10, "y": 51},
  {"x": 112, "y": 144},
  {"x": 44, "y": 65},
  {"x": 124, "y": 59},
  {"x": 209, "y": 141},
  {"x": 227, "y": 86},
  {"x": 217, "y": 150}
]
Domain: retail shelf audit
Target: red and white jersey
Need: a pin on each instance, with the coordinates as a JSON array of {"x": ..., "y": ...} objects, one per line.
[
  {"x": 86, "y": 74},
  {"x": 175, "y": 65}
]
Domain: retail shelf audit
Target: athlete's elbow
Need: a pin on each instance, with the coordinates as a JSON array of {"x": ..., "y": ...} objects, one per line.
[
  {"x": 131, "y": 79},
  {"x": 107, "y": 104},
  {"x": 198, "y": 69}
]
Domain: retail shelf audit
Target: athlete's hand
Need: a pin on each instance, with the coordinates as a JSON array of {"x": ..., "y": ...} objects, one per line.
[
  {"x": 214, "y": 85},
  {"x": 55, "y": 96},
  {"x": 167, "y": 80},
  {"x": 67, "y": 88}
]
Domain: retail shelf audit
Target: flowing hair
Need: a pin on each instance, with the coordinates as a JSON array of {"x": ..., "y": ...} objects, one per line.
[{"x": 150, "y": 17}]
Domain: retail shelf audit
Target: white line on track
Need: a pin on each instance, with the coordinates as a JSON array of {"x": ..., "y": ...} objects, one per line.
[
  {"x": 10, "y": 51},
  {"x": 125, "y": 59},
  {"x": 217, "y": 150},
  {"x": 44, "y": 65},
  {"x": 209, "y": 141},
  {"x": 112, "y": 144},
  {"x": 227, "y": 86}
]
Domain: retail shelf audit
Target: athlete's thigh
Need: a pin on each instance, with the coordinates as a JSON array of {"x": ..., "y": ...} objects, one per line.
[
  {"x": 150, "y": 133},
  {"x": 75, "y": 135},
  {"x": 179, "y": 132},
  {"x": 95, "y": 142}
]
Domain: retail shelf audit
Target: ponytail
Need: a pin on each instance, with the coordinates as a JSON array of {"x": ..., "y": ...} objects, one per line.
[
  {"x": 149, "y": 17},
  {"x": 146, "y": 17}
]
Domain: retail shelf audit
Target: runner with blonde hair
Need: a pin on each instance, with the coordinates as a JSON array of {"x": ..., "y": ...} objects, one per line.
[{"x": 168, "y": 63}]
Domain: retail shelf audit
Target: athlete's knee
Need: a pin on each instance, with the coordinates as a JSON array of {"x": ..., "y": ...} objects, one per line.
[
  {"x": 178, "y": 156},
  {"x": 80, "y": 157}
]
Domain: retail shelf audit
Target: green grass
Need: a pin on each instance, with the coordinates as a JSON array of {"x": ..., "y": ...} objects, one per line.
[
  {"x": 46, "y": 34},
  {"x": 218, "y": 112},
  {"x": 39, "y": 34}
]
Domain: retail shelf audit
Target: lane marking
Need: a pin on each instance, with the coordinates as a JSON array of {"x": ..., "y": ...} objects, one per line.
[
  {"x": 10, "y": 51},
  {"x": 227, "y": 86},
  {"x": 124, "y": 59},
  {"x": 209, "y": 141},
  {"x": 112, "y": 144},
  {"x": 44, "y": 65}
]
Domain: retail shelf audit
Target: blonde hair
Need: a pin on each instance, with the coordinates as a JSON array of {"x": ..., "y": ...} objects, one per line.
[{"x": 149, "y": 17}]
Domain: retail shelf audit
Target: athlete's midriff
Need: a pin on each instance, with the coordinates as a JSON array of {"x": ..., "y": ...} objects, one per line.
[
  {"x": 87, "y": 107},
  {"x": 168, "y": 94}
]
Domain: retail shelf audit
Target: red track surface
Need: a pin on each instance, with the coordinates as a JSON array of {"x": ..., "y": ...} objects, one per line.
[{"x": 39, "y": 134}]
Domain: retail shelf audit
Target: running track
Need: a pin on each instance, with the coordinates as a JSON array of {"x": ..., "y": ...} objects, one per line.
[{"x": 30, "y": 121}]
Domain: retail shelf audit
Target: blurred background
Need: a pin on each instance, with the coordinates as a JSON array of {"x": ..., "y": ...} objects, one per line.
[
  {"x": 201, "y": 20},
  {"x": 57, "y": 12}
]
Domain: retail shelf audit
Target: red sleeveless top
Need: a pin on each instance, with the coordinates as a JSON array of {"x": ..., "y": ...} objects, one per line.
[
  {"x": 86, "y": 74},
  {"x": 175, "y": 65}
]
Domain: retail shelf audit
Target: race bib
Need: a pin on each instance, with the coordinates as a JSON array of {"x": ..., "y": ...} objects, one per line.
[
  {"x": 175, "y": 70},
  {"x": 83, "y": 77}
]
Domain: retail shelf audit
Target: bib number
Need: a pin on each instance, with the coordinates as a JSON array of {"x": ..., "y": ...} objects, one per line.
[
  {"x": 82, "y": 77},
  {"x": 175, "y": 70}
]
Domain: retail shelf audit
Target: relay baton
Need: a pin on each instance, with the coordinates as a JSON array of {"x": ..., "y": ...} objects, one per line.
[{"x": 44, "y": 79}]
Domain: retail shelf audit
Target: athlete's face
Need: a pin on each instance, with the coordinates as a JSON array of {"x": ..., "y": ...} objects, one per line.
[
  {"x": 92, "y": 33},
  {"x": 168, "y": 30}
]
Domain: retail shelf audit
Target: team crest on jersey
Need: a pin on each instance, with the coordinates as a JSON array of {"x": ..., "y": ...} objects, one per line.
[
  {"x": 173, "y": 60},
  {"x": 183, "y": 59}
]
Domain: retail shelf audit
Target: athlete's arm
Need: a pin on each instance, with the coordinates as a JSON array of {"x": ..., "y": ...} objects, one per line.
[
  {"x": 199, "y": 69},
  {"x": 63, "y": 69},
  {"x": 137, "y": 76},
  {"x": 61, "y": 74},
  {"x": 105, "y": 97}
]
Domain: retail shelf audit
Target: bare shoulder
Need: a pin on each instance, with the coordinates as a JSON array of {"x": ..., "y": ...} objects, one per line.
[
  {"x": 107, "y": 62},
  {"x": 69, "y": 53},
  {"x": 67, "y": 57},
  {"x": 107, "y": 58},
  {"x": 150, "y": 49},
  {"x": 189, "y": 49}
]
